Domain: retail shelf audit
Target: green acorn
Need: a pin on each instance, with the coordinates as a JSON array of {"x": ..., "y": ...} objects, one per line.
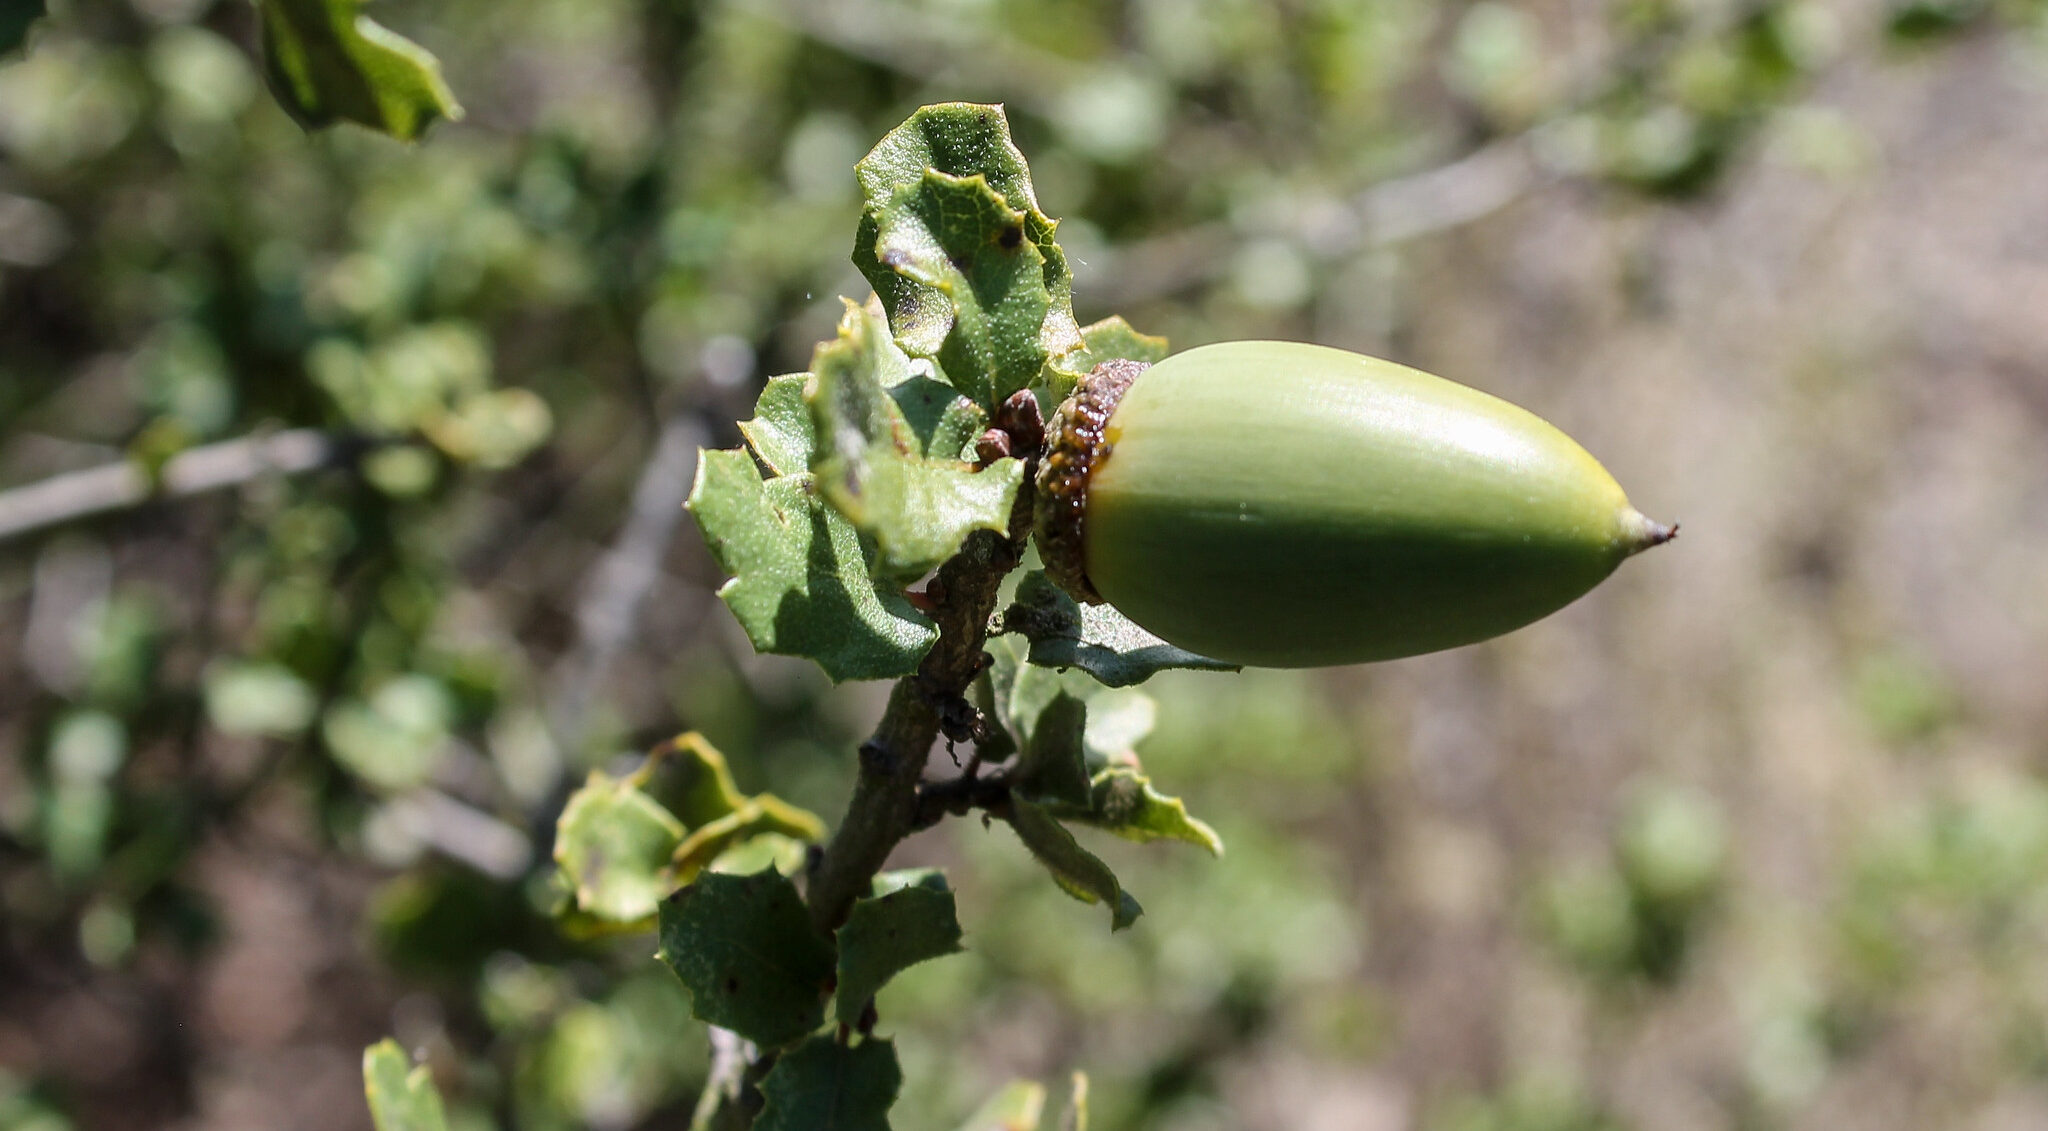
[{"x": 1287, "y": 505}]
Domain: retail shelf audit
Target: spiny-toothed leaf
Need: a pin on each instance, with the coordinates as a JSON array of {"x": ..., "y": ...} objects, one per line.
[
  {"x": 327, "y": 63},
  {"x": 1122, "y": 801},
  {"x": 1018, "y": 1107},
  {"x": 822, "y": 1085},
  {"x": 1054, "y": 764},
  {"x": 887, "y": 934},
  {"x": 958, "y": 140},
  {"x": 746, "y": 949},
  {"x": 613, "y": 844},
  {"x": 402, "y": 1097},
  {"x": 918, "y": 511},
  {"x": 945, "y": 423},
  {"x": 802, "y": 583},
  {"x": 780, "y": 433},
  {"x": 851, "y": 410},
  {"x": 959, "y": 240},
  {"x": 762, "y": 815},
  {"x": 1108, "y": 340},
  {"x": 1095, "y": 638},
  {"x": 1079, "y": 872}
]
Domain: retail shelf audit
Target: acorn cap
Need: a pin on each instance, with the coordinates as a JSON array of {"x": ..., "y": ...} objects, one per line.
[{"x": 1076, "y": 445}]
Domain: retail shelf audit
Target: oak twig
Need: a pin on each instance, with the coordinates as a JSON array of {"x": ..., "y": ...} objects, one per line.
[{"x": 885, "y": 806}]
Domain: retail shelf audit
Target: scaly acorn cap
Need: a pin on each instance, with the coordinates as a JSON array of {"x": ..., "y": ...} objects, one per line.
[{"x": 1289, "y": 505}]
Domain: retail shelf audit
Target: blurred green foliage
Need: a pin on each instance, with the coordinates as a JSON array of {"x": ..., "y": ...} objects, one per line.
[{"x": 362, "y": 682}]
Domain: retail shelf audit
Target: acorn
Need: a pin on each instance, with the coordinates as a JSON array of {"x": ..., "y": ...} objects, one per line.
[{"x": 1286, "y": 505}]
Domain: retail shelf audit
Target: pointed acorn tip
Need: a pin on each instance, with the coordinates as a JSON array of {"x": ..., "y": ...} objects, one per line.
[{"x": 1642, "y": 532}]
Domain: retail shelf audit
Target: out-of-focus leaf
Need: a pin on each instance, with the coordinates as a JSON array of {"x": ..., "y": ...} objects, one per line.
[
  {"x": 781, "y": 433},
  {"x": 327, "y": 63},
  {"x": 613, "y": 846},
  {"x": 623, "y": 844},
  {"x": 492, "y": 429},
  {"x": 764, "y": 850},
  {"x": 745, "y": 947},
  {"x": 1079, "y": 872},
  {"x": 822, "y": 1085},
  {"x": 887, "y": 934},
  {"x": 402, "y": 1098},
  {"x": 393, "y": 740},
  {"x": 258, "y": 698},
  {"x": 762, "y": 815},
  {"x": 801, "y": 584},
  {"x": 871, "y": 463},
  {"x": 1122, "y": 801},
  {"x": 690, "y": 776},
  {"x": 1018, "y": 1107},
  {"x": 15, "y": 16},
  {"x": 1095, "y": 638},
  {"x": 961, "y": 257},
  {"x": 1076, "y": 1117}
]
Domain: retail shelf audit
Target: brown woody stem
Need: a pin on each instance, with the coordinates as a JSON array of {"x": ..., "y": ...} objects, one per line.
[{"x": 922, "y": 707}]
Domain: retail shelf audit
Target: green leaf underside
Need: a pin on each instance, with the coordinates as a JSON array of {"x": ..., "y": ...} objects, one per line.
[
  {"x": 801, "y": 582},
  {"x": 959, "y": 254},
  {"x": 822, "y": 1085},
  {"x": 1108, "y": 340},
  {"x": 1122, "y": 801},
  {"x": 1079, "y": 872},
  {"x": 1018, "y": 1107},
  {"x": 402, "y": 1098},
  {"x": 1054, "y": 762},
  {"x": 15, "y": 17},
  {"x": 1095, "y": 638},
  {"x": 1034, "y": 708},
  {"x": 870, "y": 460},
  {"x": 613, "y": 845},
  {"x": 746, "y": 949},
  {"x": 1018, "y": 694},
  {"x": 780, "y": 432},
  {"x": 886, "y": 935},
  {"x": 327, "y": 63}
]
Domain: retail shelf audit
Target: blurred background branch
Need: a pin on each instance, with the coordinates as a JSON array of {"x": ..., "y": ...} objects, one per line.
[{"x": 77, "y": 495}]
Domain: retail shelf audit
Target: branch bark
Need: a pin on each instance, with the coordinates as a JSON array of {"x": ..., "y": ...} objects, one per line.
[{"x": 885, "y": 808}]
